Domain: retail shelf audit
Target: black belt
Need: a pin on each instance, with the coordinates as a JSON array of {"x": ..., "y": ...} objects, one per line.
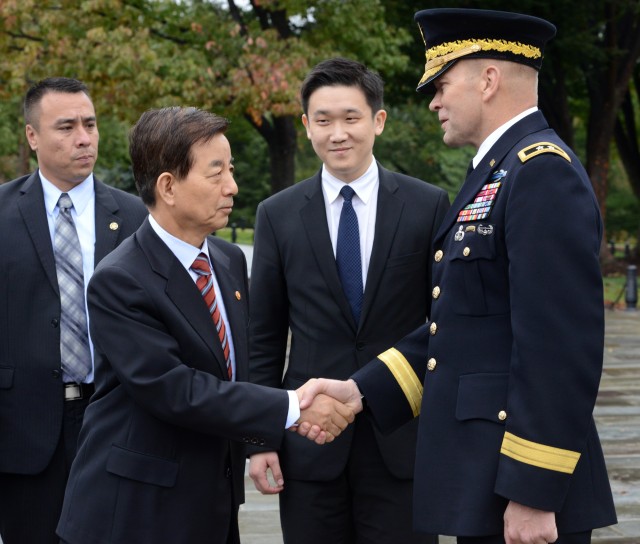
[{"x": 78, "y": 391}]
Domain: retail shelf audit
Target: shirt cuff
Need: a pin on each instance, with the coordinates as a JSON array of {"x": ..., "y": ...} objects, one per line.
[{"x": 294, "y": 409}]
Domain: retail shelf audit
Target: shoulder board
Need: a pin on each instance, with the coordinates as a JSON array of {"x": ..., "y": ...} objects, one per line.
[{"x": 542, "y": 147}]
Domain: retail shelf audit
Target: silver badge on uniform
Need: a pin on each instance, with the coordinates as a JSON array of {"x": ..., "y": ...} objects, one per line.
[
  {"x": 485, "y": 230},
  {"x": 459, "y": 235}
]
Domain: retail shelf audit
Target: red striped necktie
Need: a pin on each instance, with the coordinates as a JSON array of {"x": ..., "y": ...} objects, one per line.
[{"x": 204, "y": 282}]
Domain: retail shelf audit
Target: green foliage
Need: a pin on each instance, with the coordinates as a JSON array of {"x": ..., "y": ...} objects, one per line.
[
  {"x": 138, "y": 54},
  {"x": 412, "y": 144}
]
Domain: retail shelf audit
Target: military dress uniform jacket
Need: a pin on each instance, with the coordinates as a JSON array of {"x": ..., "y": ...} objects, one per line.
[{"x": 506, "y": 373}]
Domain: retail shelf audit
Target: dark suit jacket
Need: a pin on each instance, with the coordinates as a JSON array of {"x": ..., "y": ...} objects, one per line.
[
  {"x": 31, "y": 395},
  {"x": 161, "y": 455},
  {"x": 295, "y": 284},
  {"x": 512, "y": 359}
]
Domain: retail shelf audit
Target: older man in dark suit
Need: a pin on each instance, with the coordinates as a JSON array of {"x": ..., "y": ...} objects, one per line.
[
  {"x": 46, "y": 370},
  {"x": 343, "y": 302},
  {"x": 161, "y": 455}
]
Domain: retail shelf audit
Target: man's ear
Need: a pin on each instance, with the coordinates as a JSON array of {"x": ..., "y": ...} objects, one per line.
[
  {"x": 165, "y": 188},
  {"x": 378, "y": 120},
  {"x": 491, "y": 78},
  {"x": 305, "y": 122},
  {"x": 32, "y": 137}
]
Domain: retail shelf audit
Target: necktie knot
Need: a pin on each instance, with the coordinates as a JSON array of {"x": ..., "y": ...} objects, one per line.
[
  {"x": 347, "y": 193},
  {"x": 64, "y": 202},
  {"x": 201, "y": 265}
]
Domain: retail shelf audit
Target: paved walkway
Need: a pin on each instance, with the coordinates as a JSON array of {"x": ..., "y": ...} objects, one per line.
[{"x": 617, "y": 417}]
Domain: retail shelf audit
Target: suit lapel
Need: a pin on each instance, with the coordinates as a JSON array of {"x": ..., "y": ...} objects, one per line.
[
  {"x": 489, "y": 163},
  {"x": 314, "y": 218},
  {"x": 229, "y": 286},
  {"x": 108, "y": 223},
  {"x": 180, "y": 288},
  {"x": 388, "y": 213},
  {"x": 34, "y": 215}
]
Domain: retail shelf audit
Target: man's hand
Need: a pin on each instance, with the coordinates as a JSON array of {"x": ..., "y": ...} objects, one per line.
[
  {"x": 346, "y": 392},
  {"x": 323, "y": 417},
  {"x": 526, "y": 525},
  {"x": 259, "y": 466}
]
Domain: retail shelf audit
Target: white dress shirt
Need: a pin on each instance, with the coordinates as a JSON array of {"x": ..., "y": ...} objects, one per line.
[{"x": 365, "y": 204}]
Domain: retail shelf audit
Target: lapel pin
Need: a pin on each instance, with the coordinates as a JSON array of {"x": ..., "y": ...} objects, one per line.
[
  {"x": 493, "y": 161},
  {"x": 238, "y": 295},
  {"x": 113, "y": 225}
]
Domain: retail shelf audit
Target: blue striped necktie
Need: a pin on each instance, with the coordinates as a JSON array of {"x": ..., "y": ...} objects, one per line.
[
  {"x": 75, "y": 353},
  {"x": 348, "y": 256}
]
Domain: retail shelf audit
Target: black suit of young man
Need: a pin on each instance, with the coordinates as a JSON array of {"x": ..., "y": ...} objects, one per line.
[{"x": 295, "y": 285}]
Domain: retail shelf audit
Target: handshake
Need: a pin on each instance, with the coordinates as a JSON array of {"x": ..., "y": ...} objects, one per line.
[{"x": 326, "y": 408}]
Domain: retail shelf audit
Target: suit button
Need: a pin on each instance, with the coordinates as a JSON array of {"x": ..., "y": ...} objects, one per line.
[
  {"x": 360, "y": 346},
  {"x": 438, "y": 256},
  {"x": 431, "y": 364},
  {"x": 466, "y": 251},
  {"x": 433, "y": 328},
  {"x": 436, "y": 292},
  {"x": 502, "y": 415},
  {"x": 55, "y": 322},
  {"x": 55, "y": 373}
]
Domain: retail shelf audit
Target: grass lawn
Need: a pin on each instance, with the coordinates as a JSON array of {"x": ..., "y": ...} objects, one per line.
[
  {"x": 614, "y": 289},
  {"x": 244, "y": 236}
]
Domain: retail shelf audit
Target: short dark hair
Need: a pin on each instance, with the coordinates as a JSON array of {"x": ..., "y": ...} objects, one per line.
[
  {"x": 341, "y": 71},
  {"x": 161, "y": 141},
  {"x": 49, "y": 85}
]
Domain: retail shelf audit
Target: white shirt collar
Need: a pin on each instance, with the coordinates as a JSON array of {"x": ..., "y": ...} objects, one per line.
[
  {"x": 80, "y": 195},
  {"x": 363, "y": 186},
  {"x": 495, "y": 135},
  {"x": 184, "y": 252}
]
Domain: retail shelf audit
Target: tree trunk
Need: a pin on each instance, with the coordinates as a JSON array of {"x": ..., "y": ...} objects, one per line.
[{"x": 281, "y": 137}]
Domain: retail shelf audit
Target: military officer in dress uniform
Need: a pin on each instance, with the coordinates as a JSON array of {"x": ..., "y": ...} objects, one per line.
[{"x": 506, "y": 373}]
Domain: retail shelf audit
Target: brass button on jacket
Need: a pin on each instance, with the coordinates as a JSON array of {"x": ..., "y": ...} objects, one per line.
[
  {"x": 466, "y": 251},
  {"x": 433, "y": 328},
  {"x": 438, "y": 256},
  {"x": 436, "y": 292},
  {"x": 502, "y": 415},
  {"x": 431, "y": 364}
]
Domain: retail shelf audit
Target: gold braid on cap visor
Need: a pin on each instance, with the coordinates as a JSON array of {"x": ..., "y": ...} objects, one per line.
[{"x": 441, "y": 54}]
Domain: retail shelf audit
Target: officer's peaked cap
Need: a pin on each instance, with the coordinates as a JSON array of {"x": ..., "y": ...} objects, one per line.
[{"x": 451, "y": 34}]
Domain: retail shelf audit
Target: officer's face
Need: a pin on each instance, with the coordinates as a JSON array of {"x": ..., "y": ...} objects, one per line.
[
  {"x": 458, "y": 103},
  {"x": 342, "y": 129}
]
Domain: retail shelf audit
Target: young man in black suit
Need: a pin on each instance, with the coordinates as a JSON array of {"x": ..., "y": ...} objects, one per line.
[
  {"x": 342, "y": 304},
  {"x": 42, "y": 399}
]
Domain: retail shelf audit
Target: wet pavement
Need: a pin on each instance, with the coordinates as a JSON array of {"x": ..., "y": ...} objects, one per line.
[{"x": 617, "y": 416}]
